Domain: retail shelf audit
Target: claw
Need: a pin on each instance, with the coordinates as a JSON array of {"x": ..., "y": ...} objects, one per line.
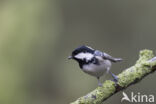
[
  {"x": 115, "y": 78},
  {"x": 100, "y": 84}
]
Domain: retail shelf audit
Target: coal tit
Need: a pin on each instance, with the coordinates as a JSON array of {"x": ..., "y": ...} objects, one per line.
[{"x": 94, "y": 62}]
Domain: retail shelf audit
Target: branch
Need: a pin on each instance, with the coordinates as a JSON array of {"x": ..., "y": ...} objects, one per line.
[{"x": 145, "y": 65}]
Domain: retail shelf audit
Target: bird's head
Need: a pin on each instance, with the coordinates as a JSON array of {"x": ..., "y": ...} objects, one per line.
[{"x": 82, "y": 53}]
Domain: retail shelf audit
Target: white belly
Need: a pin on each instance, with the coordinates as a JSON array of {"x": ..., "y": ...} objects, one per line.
[{"x": 97, "y": 70}]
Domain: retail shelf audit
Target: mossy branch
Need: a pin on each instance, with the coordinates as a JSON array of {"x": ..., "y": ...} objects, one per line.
[{"x": 145, "y": 65}]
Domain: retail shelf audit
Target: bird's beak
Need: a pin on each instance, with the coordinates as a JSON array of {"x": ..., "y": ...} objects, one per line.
[{"x": 70, "y": 57}]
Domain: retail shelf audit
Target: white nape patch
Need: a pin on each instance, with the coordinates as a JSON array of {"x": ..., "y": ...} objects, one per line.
[
  {"x": 82, "y": 55},
  {"x": 90, "y": 47}
]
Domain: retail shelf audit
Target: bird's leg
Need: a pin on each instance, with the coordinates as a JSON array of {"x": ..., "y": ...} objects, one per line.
[
  {"x": 113, "y": 75},
  {"x": 99, "y": 83}
]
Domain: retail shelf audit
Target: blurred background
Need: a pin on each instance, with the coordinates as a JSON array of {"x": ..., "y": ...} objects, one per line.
[{"x": 37, "y": 36}]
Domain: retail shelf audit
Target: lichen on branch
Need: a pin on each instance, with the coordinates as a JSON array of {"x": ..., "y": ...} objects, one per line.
[{"x": 144, "y": 65}]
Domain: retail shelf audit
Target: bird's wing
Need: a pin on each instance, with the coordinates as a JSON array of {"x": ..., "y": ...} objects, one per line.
[{"x": 106, "y": 56}]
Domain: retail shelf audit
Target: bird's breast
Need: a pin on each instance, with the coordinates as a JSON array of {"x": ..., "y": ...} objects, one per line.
[{"x": 96, "y": 70}]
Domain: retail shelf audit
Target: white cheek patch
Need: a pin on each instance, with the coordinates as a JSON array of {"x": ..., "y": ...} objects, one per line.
[
  {"x": 87, "y": 56},
  {"x": 90, "y": 47}
]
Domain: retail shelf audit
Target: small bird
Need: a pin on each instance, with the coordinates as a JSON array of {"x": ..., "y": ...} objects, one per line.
[{"x": 94, "y": 62}]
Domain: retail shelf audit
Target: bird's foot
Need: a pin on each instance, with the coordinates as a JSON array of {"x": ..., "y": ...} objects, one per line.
[
  {"x": 100, "y": 84},
  {"x": 115, "y": 79}
]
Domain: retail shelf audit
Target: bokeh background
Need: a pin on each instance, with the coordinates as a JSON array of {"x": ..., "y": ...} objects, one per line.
[{"x": 37, "y": 36}]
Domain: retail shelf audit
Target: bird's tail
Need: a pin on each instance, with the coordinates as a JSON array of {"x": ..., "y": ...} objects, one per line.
[{"x": 116, "y": 59}]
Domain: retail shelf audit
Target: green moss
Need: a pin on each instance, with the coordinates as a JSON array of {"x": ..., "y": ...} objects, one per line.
[
  {"x": 138, "y": 70},
  {"x": 96, "y": 96},
  {"x": 127, "y": 76},
  {"x": 145, "y": 55}
]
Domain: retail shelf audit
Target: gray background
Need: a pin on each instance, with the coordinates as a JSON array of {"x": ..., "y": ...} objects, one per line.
[{"x": 36, "y": 37}]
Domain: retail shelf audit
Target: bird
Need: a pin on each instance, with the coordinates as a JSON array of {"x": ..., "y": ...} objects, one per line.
[{"x": 94, "y": 62}]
